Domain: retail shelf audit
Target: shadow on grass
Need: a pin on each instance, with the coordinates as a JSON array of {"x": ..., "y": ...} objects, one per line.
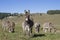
[{"x": 38, "y": 35}]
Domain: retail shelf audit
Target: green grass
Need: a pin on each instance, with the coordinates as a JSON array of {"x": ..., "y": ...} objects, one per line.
[{"x": 18, "y": 35}]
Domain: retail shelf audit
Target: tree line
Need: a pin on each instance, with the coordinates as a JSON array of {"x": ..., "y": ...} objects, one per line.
[
  {"x": 3, "y": 15},
  {"x": 53, "y": 12}
]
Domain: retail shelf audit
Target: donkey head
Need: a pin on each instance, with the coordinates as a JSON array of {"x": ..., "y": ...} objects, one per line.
[{"x": 27, "y": 17}]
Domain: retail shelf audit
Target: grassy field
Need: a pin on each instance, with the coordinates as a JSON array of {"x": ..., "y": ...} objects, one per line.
[{"x": 18, "y": 35}]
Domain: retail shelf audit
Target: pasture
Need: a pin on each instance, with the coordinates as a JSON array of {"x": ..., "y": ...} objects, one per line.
[{"x": 18, "y": 34}]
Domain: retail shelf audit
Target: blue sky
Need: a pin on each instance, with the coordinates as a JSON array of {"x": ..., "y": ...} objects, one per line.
[{"x": 33, "y": 5}]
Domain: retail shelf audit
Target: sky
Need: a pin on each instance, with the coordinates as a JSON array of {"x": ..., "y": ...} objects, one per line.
[{"x": 41, "y": 6}]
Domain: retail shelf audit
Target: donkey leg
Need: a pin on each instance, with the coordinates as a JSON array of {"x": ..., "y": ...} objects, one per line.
[{"x": 31, "y": 29}]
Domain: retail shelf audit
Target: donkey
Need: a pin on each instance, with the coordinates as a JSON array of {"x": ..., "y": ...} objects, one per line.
[
  {"x": 27, "y": 25},
  {"x": 37, "y": 27},
  {"x": 48, "y": 26},
  {"x": 8, "y": 25}
]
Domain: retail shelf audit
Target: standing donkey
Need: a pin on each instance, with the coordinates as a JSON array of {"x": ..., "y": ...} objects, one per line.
[{"x": 27, "y": 25}]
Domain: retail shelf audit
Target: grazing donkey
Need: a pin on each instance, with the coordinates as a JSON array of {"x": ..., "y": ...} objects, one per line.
[
  {"x": 27, "y": 24},
  {"x": 8, "y": 25},
  {"x": 48, "y": 27},
  {"x": 37, "y": 27}
]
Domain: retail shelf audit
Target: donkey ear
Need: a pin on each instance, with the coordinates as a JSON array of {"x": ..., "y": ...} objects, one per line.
[{"x": 24, "y": 10}]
